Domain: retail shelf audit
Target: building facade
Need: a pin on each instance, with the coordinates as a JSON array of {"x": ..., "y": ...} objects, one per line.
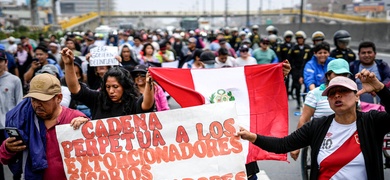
[
  {"x": 79, "y": 7},
  {"x": 335, "y": 6}
]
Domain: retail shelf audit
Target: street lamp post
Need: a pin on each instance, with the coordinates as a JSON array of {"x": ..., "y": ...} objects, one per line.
[
  {"x": 212, "y": 13},
  {"x": 34, "y": 12},
  {"x": 260, "y": 9},
  {"x": 108, "y": 12},
  {"x": 247, "y": 14},
  {"x": 99, "y": 12},
  {"x": 301, "y": 15},
  {"x": 226, "y": 13},
  {"x": 55, "y": 14}
]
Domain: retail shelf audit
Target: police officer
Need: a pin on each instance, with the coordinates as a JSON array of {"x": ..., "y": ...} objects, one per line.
[
  {"x": 317, "y": 37},
  {"x": 255, "y": 37},
  {"x": 298, "y": 55},
  {"x": 241, "y": 37},
  {"x": 227, "y": 34},
  {"x": 341, "y": 40},
  {"x": 282, "y": 52},
  {"x": 283, "y": 49},
  {"x": 271, "y": 30},
  {"x": 273, "y": 42},
  {"x": 234, "y": 36}
]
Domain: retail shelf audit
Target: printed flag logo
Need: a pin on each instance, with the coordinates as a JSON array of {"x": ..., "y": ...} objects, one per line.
[{"x": 221, "y": 96}]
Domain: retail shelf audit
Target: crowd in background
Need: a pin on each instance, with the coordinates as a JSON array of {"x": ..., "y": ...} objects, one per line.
[{"x": 92, "y": 90}]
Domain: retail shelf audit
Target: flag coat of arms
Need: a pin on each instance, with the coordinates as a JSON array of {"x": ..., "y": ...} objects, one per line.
[{"x": 258, "y": 91}]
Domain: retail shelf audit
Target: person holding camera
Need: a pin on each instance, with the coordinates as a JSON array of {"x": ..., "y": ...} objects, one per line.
[{"x": 42, "y": 58}]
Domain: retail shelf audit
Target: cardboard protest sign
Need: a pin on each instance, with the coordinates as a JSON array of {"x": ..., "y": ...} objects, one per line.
[
  {"x": 103, "y": 56},
  {"x": 183, "y": 144}
]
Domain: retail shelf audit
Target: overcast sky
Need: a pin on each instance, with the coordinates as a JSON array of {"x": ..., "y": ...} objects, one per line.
[{"x": 187, "y": 5}]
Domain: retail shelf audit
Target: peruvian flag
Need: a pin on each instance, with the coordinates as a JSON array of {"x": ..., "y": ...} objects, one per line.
[{"x": 258, "y": 90}]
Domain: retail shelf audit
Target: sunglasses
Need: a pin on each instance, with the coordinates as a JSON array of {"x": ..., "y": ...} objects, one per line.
[
  {"x": 265, "y": 43},
  {"x": 243, "y": 51},
  {"x": 342, "y": 90},
  {"x": 140, "y": 75}
]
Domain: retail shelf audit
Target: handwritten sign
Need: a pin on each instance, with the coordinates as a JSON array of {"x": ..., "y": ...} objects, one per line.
[
  {"x": 196, "y": 143},
  {"x": 103, "y": 56}
]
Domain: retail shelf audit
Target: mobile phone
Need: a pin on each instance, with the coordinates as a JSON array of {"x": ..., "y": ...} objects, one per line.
[
  {"x": 35, "y": 59},
  {"x": 14, "y": 132}
]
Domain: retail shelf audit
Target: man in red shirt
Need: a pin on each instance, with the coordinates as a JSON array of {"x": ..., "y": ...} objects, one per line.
[{"x": 40, "y": 112}]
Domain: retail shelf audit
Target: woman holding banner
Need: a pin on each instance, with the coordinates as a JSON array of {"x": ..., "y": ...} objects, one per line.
[
  {"x": 348, "y": 130},
  {"x": 117, "y": 96}
]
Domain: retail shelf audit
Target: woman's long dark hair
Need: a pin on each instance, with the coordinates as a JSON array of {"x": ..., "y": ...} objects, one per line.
[
  {"x": 145, "y": 46},
  {"x": 130, "y": 92}
]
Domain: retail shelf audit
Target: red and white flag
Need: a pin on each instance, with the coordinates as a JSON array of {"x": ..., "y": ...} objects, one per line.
[{"x": 258, "y": 90}]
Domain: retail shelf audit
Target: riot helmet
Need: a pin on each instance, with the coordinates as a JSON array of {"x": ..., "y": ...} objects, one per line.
[
  {"x": 341, "y": 37},
  {"x": 271, "y": 30},
  {"x": 273, "y": 38},
  {"x": 255, "y": 27},
  {"x": 300, "y": 34},
  {"x": 317, "y": 36},
  {"x": 288, "y": 33}
]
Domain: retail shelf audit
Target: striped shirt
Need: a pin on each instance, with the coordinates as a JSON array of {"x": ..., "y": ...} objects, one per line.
[{"x": 315, "y": 100}]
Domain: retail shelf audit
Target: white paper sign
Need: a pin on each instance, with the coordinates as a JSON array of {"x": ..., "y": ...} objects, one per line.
[
  {"x": 173, "y": 64},
  {"x": 103, "y": 56},
  {"x": 182, "y": 144}
]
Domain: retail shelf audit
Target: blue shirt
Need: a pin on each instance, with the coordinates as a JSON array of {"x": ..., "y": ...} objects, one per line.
[
  {"x": 367, "y": 97},
  {"x": 314, "y": 73}
]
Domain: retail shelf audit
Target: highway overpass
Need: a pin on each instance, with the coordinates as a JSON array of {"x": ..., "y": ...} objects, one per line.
[
  {"x": 92, "y": 19},
  {"x": 180, "y": 14}
]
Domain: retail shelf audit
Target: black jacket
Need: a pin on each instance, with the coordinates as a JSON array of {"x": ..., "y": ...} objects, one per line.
[
  {"x": 371, "y": 128},
  {"x": 347, "y": 54},
  {"x": 383, "y": 68},
  {"x": 298, "y": 58},
  {"x": 283, "y": 49}
]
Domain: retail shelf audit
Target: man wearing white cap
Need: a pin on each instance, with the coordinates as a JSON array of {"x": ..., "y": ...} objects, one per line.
[
  {"x": 12, "y": 48},
  {"x": 54, "y": 50},
  {"x": 35, "y": 118}
]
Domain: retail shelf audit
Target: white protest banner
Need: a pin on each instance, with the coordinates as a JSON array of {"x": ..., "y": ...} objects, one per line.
[
  {"x": 173, "y": 64},
  {"x": 195, "y": 143},
  {"x": 103, "y": 56}
]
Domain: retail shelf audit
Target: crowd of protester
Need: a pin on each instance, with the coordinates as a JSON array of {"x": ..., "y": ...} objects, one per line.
[{"x": 107, "y": 91}]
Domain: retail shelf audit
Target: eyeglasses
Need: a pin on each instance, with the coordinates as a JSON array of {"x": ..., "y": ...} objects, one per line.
[
  {"x": 341, "y": 90},
  {"x": 265, "y": 43}
]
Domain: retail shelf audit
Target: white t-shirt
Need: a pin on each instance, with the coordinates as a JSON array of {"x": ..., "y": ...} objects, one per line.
[
  {"x": 315, "y": 100},
  {"x": 336, "y": 136},
  {"x": 230, "y": 62},
  {"x": 12, "y": 48},
  {"x": 249, "y": 61}
]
